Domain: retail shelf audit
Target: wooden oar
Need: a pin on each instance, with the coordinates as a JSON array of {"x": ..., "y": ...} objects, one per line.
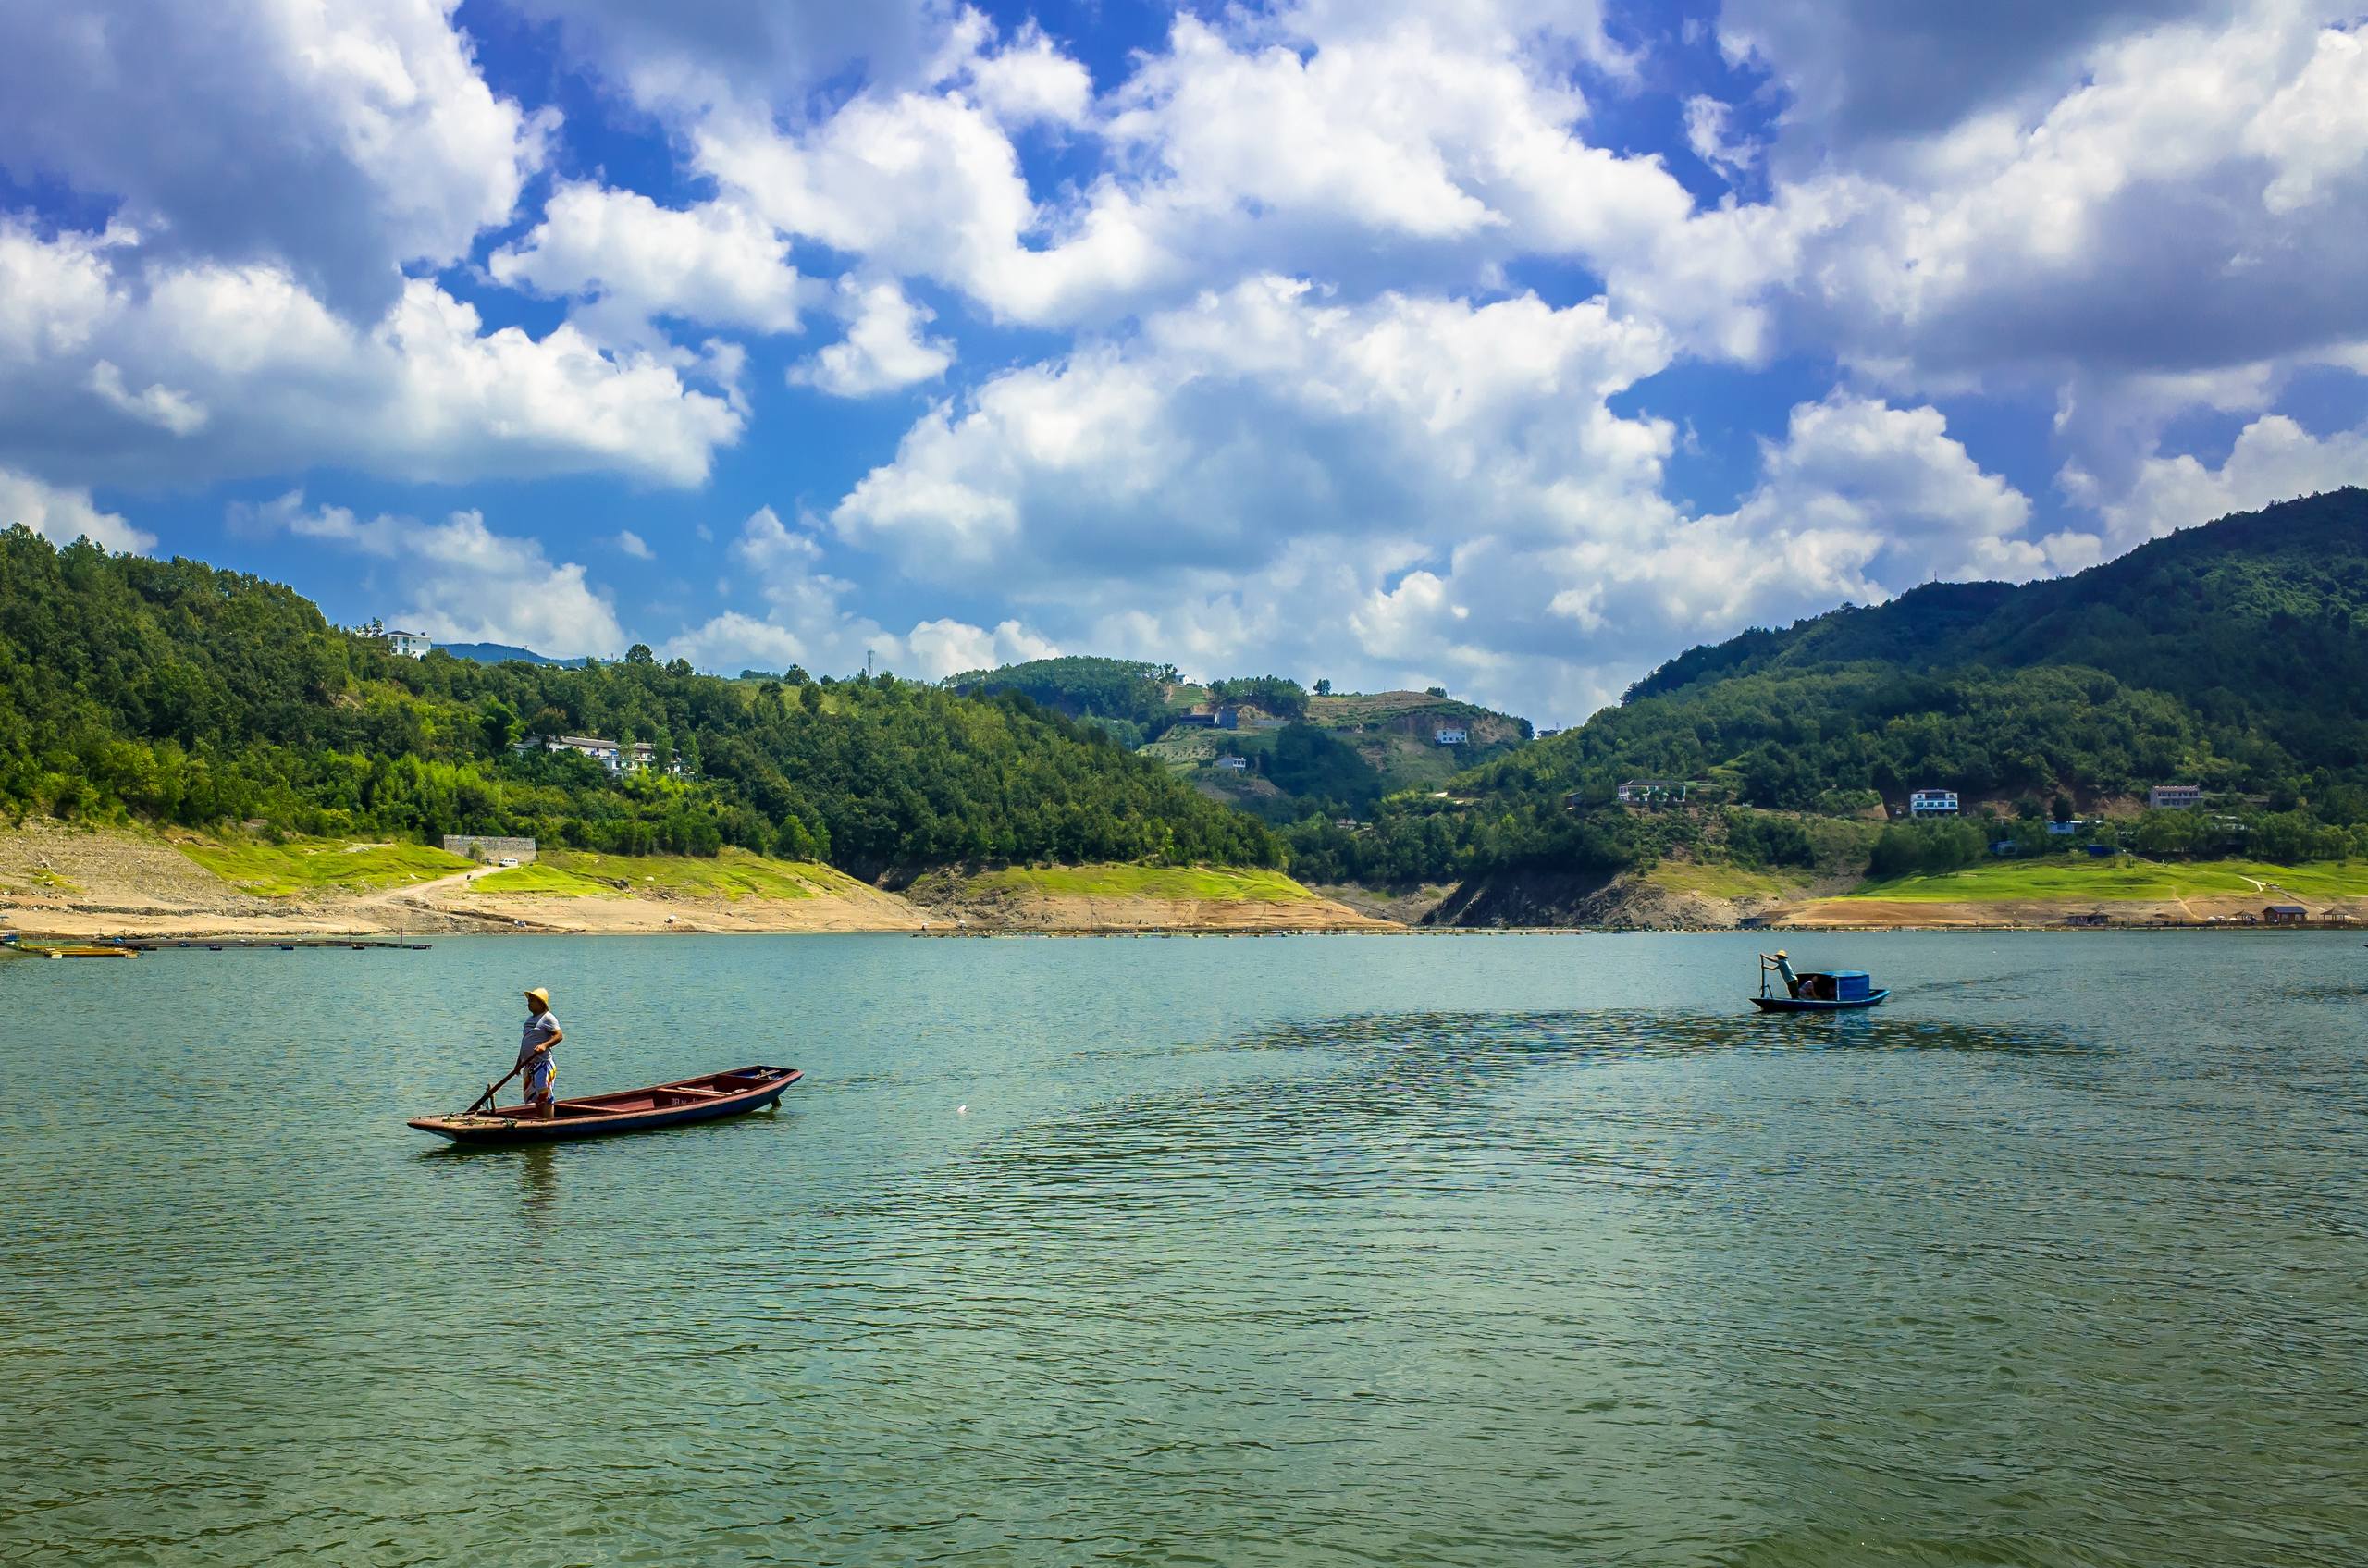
[{"x": 493, "y": 1088}]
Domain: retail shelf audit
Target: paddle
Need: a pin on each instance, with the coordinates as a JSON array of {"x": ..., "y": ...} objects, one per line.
[{"x": 493, "y": 1088}]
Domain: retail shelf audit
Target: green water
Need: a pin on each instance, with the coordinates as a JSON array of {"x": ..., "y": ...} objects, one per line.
[{"x": 1486, "y": 1249}]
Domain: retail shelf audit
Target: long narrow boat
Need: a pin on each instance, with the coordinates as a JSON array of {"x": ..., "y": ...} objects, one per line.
[{"x": 627, "y": 1110}]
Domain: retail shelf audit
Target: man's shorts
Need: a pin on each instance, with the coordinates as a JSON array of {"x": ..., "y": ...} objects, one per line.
[{"x": 538, "y": 1078}]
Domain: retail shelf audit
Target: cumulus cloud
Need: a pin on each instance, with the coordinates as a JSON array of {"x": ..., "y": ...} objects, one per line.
[
  {"x": 1031, "y": 81},
  {"x": 158, "y": 404},
  {"x": 1227, "y": 427},
  {"x": 630, "y": 260},
  {"x": 184, "y": 374},
  {"x": 1413, "y": 490},
  {"x": 2274, "y": 459},
  {"x": 337, "y": 141},
  {"x": 457, "y": 580},
  {"x": 807, "y": 621},
  {"x": 1862, "y": 73},
  {"x": 1861, "y": 500},
  {"x": 686, "y": 58},
  {"x": 634, "y": 545},
  {"x": 2187, "y": 208},
  {"x": 884, "y": 349},
  {"x": 62, "y": 515}
]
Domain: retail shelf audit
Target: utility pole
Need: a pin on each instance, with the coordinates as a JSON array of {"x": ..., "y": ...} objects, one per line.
[{"x": 867, "y": 663}]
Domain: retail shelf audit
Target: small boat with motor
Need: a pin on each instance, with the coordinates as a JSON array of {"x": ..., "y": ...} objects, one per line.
[
  {"x": 1813, "y": 991},
  {"x": 717, "y": 1095}
]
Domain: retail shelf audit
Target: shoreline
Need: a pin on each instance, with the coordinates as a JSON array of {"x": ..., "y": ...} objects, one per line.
[{"x": 309, "y": 929}]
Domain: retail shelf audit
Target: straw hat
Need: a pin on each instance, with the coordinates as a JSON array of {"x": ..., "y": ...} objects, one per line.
[{"x": 539, "y": 994}]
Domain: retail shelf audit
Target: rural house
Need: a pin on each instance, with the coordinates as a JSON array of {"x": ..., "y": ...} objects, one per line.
[
  {"x": 1932, "y": 803},
  {"x": 2175, "y": 798},
  {"x": 1651, "y": 792},
  {"x": 1449, "y": 735}
]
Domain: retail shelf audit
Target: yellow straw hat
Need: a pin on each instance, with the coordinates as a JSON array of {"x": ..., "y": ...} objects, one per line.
[{"x": 539, "y": 994}]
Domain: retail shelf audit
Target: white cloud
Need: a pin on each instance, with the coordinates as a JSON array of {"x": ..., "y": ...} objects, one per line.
[
  {"x": 1707, "y": 135},
  {"x": 1030, "y": 80},
  {"x": 338, "y": 140},
  {"x": 946, "y": 648},
  {"x": 1262, "y": 412},
  {"x": 457, "y": 580},
  {"x": 806, "y": 622},
  {"x": 159, "y": 404},
  {"x": 634, "y": 545},
  {"x": 1411, "y": 490},
  {"x": 2187, "y": 208},
  {"x": 2274, "y": 459},
  {"x": 684, "y": 58},
  {"x": 62, "y": 515},
  {"x": 1861, "y": 500},
  {"x": 632, "y": 260},
  {"x": 244, "y": 372},
  {"x": 884, "y": 349},
  {"x": 2316, "y": 131}
]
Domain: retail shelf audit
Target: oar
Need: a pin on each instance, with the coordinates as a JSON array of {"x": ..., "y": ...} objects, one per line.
[{"x": 493, "y": 1088}]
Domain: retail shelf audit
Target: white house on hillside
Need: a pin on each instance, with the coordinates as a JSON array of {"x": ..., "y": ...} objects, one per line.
[
  {"x": 1451, "y": 734},
  {"x": 410, "y": 645},
  {"x": 1932, "y": 803}
]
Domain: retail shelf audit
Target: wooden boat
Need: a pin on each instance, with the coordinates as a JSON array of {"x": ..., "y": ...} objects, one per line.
[
  {"x": 80, "y": 952},
  {"x": 1814, "y": 991},
  {"x": 628, "y": 1110}
]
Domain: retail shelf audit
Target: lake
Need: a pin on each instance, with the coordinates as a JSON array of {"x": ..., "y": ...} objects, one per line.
[{"x": 1520, "y": 1248}]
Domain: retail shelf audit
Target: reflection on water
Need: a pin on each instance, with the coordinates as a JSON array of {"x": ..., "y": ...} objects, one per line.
[{"x": 1349, "y": 1251}]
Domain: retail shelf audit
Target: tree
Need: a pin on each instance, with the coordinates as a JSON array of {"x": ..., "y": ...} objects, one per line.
[
  {"x": 1324, "y": 688},
  {"x": 639, "y": 653},
  {"x": 1439, "y": 692}
]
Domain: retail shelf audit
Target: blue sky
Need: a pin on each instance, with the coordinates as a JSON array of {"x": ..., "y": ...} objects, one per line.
[{"x": 1503, "y": 345}]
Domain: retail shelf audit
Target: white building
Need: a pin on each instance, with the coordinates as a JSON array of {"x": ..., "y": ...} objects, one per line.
[
  {"x": 410, "y": 645},
  {"x": 1235, "y": 763},
  {"x": 601, "y": 752},
  {"x": 1651, "y": 792},
  {"x": 631, "y": 758},
  {"x": 2175, "y": 798},
  {"x": 1932, "y": 803},
  {"x": 1452, "y": 735}
]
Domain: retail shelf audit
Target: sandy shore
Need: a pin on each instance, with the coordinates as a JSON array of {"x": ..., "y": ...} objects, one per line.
[{"x": 62, "y": 881}]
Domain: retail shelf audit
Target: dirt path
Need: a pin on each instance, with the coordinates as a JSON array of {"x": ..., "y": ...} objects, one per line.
[{"x": 412, "y": 891}]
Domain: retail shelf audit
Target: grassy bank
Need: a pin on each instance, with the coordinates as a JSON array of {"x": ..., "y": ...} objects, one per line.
[
  {"x": 300, "y": 867},
  {"x": 1712, "y": 880},
  {"x": 732, "y": 876},
  {"x": 2124, "y": 879},
  {"x": 1208, "y": 884}
]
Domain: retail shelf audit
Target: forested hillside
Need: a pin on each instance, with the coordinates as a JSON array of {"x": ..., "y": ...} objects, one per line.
[
  {"x": 2233, "y": 657},
  {"x": 181, "y": 693},
  {"x": 1284, "y": 751}
]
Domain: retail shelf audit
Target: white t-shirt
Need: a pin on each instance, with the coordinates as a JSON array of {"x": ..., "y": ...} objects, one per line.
[{"x": 540, "y": 1026}]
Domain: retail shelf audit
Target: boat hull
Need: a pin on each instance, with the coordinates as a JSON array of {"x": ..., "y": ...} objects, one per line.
[
  {"x": 1812, "y": 1004},
  {"x": 660, "y": 1106}
]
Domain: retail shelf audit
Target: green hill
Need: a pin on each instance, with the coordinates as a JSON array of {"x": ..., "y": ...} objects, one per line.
[
  {"x": 2230, "y": 656},
  {"x": 1303, "y": 753},
  {"x": 172, "y": 691}
]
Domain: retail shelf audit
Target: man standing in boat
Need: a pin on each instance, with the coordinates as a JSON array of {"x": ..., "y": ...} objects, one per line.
[{"x": 534, "y": 1045}]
